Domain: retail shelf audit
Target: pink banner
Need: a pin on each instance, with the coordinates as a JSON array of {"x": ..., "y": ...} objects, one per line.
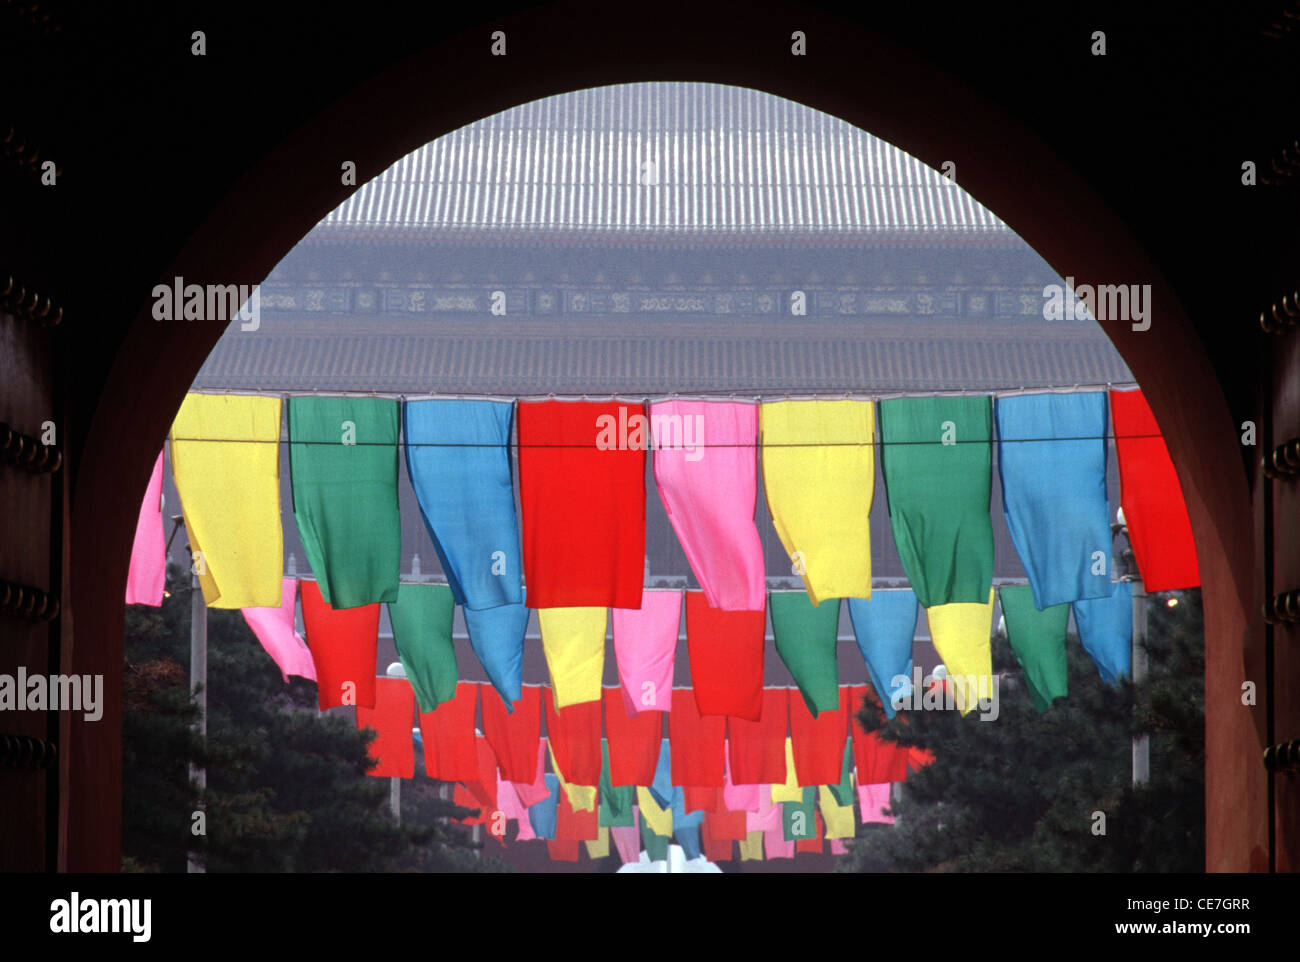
[
  {"x": 768, "y": 816},
  {"x": 645, "y": 644},
  {"x": 530, "y": 795},
  {"x": 872, "y": 799},
  {"x": 627, "y": 838},
  {"x": 775, "y": 845},
  {"x": 706, "y": 469},
  {"x": 274, "y": 629},
  {"x": 148, "y": 574},
  {"x": 740, "y": 798},
  {"x": 510, "y": 806}
]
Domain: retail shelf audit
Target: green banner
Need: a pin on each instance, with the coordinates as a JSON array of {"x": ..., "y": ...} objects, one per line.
[
  {"x": 343, "y": 465},
  {"x": 1038, "y": 640},
  {"x": 805, "y": 640},
  {"x": 937, "y": 460},
  {"x": 421, "y": 619}
]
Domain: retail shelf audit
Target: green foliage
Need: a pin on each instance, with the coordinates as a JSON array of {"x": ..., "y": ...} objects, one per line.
[
  {"x": 1017, "y": 794},
  {"x": 287, "y": 788}
]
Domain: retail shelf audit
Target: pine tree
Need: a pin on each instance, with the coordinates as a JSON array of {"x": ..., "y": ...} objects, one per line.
[
  {"x": 1022, "y": 792},
  {"x": 287, "y": 788}
]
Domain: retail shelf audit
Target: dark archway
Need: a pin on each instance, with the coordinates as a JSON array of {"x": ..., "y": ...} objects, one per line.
[{"x": 849, "y": 73}]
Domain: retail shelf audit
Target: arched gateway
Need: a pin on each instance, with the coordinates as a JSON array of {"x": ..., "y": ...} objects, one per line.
[{"x": 936, "y": 120}]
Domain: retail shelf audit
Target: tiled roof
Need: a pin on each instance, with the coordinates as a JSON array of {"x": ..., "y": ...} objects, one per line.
[
  {"x": 724, "y": 160},
  {"x": 473, "y": 358}
]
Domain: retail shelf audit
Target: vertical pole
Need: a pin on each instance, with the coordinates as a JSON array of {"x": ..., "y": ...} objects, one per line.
[
  {"x": 396, "y": 670},
  {"x": 1141, "y": 744},
  {"x": 198, "y": 685}
]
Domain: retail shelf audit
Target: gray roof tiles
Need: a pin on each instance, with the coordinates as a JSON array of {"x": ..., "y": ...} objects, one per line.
[{"x": 660, "y": 158}]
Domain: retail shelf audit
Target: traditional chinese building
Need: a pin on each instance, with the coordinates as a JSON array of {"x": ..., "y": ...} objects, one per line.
[{"x": 655, "y": 238}]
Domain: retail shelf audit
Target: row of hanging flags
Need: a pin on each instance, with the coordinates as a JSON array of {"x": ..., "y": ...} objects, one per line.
[
  {"x": 577, "y": 542},
  {"x": 714, "y": 782}
]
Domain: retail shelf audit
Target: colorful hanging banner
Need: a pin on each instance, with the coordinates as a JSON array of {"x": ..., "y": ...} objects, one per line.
[
  {"x": 686, "y": 826},
  {"x": 817, "y": 742},
  {"x": 393, "y": 749},
  {"x": 656, "y": 844},
  {"x": 573, "y": 640},
  {"x": 344, "y": 647},
  {"x": 574, "y": 736},
  {"x": 146, "y": 578},
  {"x": 816, "y": 844},
  {"x": 634, "y": 741},
  {"x": 700, "y": 798},
  {"x": 706, "y": 471},
  {"x": 838, "y": 818},
  {"x": 1052, "y": 458},
  {"x": 757, "y": 749},
  {"x": 658, "y": 818},
  {"x": 573, "y": 823},
  {"x": 874, "y": 802},
  {"x": 616, "y": 801},
  {"x": 598, "y": 847},
  {"x": 645, "y": 645},
  {"x": 513, "y": 809},
  {"x": 938, "y": 467},
  {"x": 726, "y": 825},
  {"x": 1154, "y": 510},
  {"x": 819, "y": 478},
  {"x": 530, "y": 793},
  {"x": 225, "y": 456},
  {"x": 768, "y": 815},
  {"x": 961, "y": 634},
  {"x": 662, "y": 786},
  {"x": 462, "y": 797},
  {"x": 1038, "y": 640},
  {"x": 884, "y": 627},
  {"x": 742, "y": 798},
  {"x": 513, "y": 735},
  {"x": 447, "y": 734},
  {"x": 798, "y": 819},
  {"x": 497, "y": 637},
  {"x": 715, "y": 849},
  {"x": 627, "y": 839},
  {"x": 458, "y": 457},
  {"x": 484, "y": 786},
  {"x": 842, "y": 792},
  {"x": 790, "y": 790},
  {"x": 542, "y": 815},
  {"x": 725, "y": 649},
  {"x": 343, "y": 467},
  {"x": 806, "y": 641},
  {"x": 582, "y": 502},
  {"x": 581, "y": 797},
  {"x": 875, "y": 759},
  {"x": 1106, "y": 631},
  {"x": 421, "y": 618},
  {"x": 775, "y": 846},
  {"x": 697, "y": 756},
  {"x": 275, "y": 630}
]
